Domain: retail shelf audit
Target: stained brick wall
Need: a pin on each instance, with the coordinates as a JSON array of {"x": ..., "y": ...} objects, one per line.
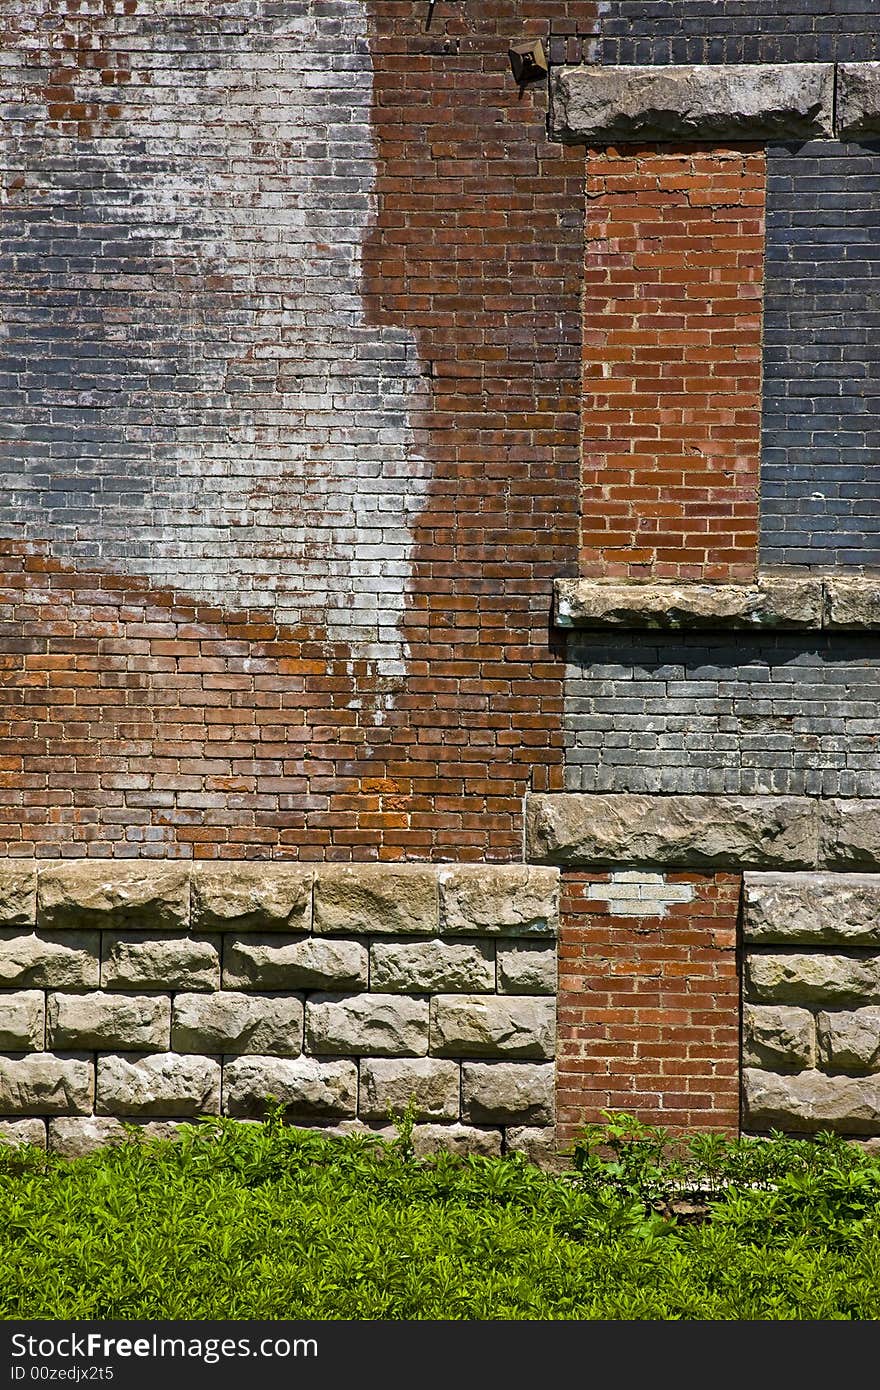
[
  {"x": 648, "y": 1002},
  {"x": 291, "y": 428},
  {"x": 672, "y": 362}
]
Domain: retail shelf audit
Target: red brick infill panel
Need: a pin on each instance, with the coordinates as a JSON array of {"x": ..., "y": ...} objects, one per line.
[
  {"x": 649, "y": 1005},
  {"x": 672, "y": 362}
]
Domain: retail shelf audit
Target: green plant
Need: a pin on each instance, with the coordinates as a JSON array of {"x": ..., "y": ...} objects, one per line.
[
  {"x": 270, "y": 1221},
  {"x": 626, "y": 1156},
  {"x": 404, "y": 1124}
]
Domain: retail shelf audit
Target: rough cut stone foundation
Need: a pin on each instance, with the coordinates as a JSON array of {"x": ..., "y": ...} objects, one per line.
[{"x": 158, "y": 993}]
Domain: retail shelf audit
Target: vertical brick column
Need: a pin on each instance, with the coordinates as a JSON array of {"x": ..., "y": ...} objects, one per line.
[
  {"x": 649, "y": 1000},
  {"x": 672, "y": 362}
]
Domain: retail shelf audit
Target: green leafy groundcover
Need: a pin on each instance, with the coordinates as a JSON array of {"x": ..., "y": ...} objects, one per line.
[{"x": 235, "y": 1221}]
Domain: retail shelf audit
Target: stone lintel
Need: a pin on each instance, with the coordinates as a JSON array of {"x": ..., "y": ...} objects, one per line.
[
  {"x": 699, "y": 832},
  {"x": 771, "y": 602},
  {"x": 704, "y": 102},
  {"x": 852, "y": 601},
  {"x": 857, "y": 109},
  {"x": 622, "y": 830}
]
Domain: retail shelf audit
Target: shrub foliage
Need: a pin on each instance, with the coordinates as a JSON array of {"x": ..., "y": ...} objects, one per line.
[{"x": 268, "y": 1221}]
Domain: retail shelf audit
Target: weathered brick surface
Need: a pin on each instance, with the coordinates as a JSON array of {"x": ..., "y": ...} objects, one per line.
[
  {"x": 672, "y": 362},
  {"x": 819, "y": 489},
  {"x": 738, "y": 31},
  {"x": 649, "y": 1009},
  {"x": 691, "y": 713},
  {"x": 295, "y": 428},
  {"x": 821, "y": 369}
]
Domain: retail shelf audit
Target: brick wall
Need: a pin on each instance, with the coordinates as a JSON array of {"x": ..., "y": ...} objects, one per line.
[
  {"x": 738, "y": 31},
  {"x": 821, "y": 375},
  {"x": 291, "y": 428},
  {"x": 683, "y": 713},
  {"x": 819, "y": 488},
  {"x": 648, "y": 999},
  {"x": 672, "y": 363}
]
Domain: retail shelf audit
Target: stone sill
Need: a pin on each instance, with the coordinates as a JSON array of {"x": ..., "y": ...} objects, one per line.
[
  {"x": 661, "y": 103},
  {"x": 805, "y": 603}
]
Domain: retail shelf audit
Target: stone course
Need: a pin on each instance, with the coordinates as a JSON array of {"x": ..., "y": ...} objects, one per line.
[
  {"x": 811, "y": 1002},
  {"x": 771, "y": 602},
  {"x": 163, "y": 992}
]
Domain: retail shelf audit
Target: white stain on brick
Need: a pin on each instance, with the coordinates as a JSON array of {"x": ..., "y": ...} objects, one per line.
[
  {"x": 631, "y": 893},
  {"x": 249, "y": 441}
]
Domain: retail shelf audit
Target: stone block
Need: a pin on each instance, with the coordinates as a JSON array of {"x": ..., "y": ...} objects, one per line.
[
  {"x": 771, "y": 602},
  {"x": 526, "y": 968},
  {"x": 850, "y": 834},
  {"x": 287, "y": 962},
  {"x": 159, "y": 1083},
  {"x": 19, "y": 1132},
  {"x": 499, "y": 899},
  {"x": 674, "y": 102},
  {"x": 811, "y": 977},
  {"x": 18, "y": 893},
  {"x": 857, "y": 106},
  {"x": 464, "y": 1140},
  {"x": 118, "y": 1022},
  {"x": 139, "y": 960},
  {"x": 810, "y": 1101},
  {"x": 251, "y": 896},
  {"x": 688, "y": 832},
  {"x": 308, "y": 1088},
  {"x": 376, "y": 899},
  {"x": 779, "y": 1037},
  {"x": 479, "y": 1025},
  {"x": 344, "y": 1129},
  {"x": 372, "y": 1025},
  {"x": 23, "y": 1021},
  {"x": 538, "y": 1146},
  {"x": 427, "y": 967},
  {"x": 74, "y": 1138},
  {"x": 39, "y": 1083},
  {"x": 111, "y": 893},
  {"x": 388, "y": 1083},
  {"x": 234, "y": 1023},
  {"x": 49, "y": 960},
  {"x": 850, "y": 1040},
  {"x": 812, "y": 909},
  {"x": 508, "y": 1093}
]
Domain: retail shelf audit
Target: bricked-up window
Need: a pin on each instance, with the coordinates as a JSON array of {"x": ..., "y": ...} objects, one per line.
[
  {"x": 672, "y": 361},
  {"x": 820, "y": 479},
  {"x": 820, "y": 489}
]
